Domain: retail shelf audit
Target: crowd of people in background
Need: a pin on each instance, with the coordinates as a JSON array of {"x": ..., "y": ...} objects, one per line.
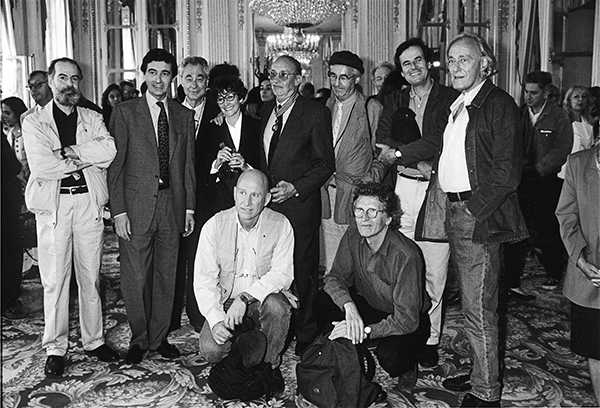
[{"x": 234, "y": 203}]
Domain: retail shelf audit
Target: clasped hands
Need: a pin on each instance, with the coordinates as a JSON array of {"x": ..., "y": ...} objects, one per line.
[
  {"x": 352, "y": 328},
  {"x": 222, "y": 331},
  {"x": 235, "y": 159}
]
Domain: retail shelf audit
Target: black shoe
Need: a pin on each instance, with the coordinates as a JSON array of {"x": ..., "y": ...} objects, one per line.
[
  {"x": 135, "y": 355},
  {"x": 520, "y": 294},
  {"x": 55, "y": 366},
  {"x": 453, "y": 299},
  {"x": 471, "y": 400},
  {"x": 104, "y": 353},
  {"x": 300, "y": 347},
  {"x": 278, "y": 382},
  {"x": 16, "y": 312},
  {"x": 168, "y": 350},
  {"x": 458, "y": 384},
  {"x": 429, "y": 357}
]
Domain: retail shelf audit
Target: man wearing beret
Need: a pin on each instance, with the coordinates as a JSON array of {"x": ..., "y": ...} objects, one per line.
[
  {"x": 425, "y": 103},
  {"x": 352, "y": 128}
]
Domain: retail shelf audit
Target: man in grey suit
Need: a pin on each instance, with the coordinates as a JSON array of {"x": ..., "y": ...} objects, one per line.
[
  {"x": 298, "y": 156},
  {"x": 152, "y": 194}
]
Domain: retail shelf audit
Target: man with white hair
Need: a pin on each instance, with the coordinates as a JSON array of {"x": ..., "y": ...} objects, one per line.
[{"x": 472, "y": 202}]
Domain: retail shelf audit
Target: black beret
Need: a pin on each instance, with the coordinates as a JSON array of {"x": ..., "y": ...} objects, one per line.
[{"x": 347, "y": 58}]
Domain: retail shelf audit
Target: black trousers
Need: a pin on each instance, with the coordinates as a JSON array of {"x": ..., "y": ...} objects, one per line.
[
  {"x": 538, "y": 198},
  {"x": 396, "y": 354}
]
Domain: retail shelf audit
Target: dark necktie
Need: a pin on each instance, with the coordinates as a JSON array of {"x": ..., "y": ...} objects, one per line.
[
  {"x": 163, "y": 145},
  {"x": 276, "y": 133}
]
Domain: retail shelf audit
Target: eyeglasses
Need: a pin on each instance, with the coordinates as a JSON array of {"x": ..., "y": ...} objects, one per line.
[
  {"x": 229, "y": 98},
  {"x": 343, "y": 78},
  {"x": 283, "y": 76},
  {"x": 36, "y": 86},
  {"x": 371, "y": 213}
]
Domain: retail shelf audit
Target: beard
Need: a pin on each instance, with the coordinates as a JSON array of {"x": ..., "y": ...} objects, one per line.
[{"x": 68, "y": 96}]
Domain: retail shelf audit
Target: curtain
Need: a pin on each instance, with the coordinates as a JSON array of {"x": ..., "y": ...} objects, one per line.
[
  {"x": 59, "y": 34},
  {"x": 8, "y": 66}
]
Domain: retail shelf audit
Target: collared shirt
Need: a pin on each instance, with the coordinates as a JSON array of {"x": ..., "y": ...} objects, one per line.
[
  {"x": 453, "y": 172},
  {"x": 534, "y": 116},
  {"x": 245, "y": 258},
  {"x": 67, "y": 133},
  {"x": 198, "y": 112},
  {"x": 155, "y": 110},
  {"x": 417, "y": 104},
  {"x": 341, "y": 113},
  {"x": 269, "y": 128},
  {"x": 390, "y": 279}
]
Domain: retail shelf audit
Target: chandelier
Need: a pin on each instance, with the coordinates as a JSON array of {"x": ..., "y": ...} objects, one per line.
[
  {"x": 293, "y": 42},
  {"x": 298, "y": 13}
]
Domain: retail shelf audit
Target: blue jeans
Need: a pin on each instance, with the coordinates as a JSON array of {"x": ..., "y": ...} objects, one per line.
[
  {"x": 478, "y": 266},
  {"x": 272, "y": 317}
]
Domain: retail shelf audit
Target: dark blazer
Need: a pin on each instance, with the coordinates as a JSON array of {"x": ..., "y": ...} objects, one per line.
[
  {"x": 203, "y": 163},
  {"x": 250, "y": 146},
  {"x": 435, "y": 115},
  {"x": 304, "y": 157},
  {"x": 494, "y": 154},
  {"x": 133, "y": 175}
]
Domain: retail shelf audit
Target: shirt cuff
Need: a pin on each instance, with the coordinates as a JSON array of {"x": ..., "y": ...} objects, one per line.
[
  {"x": 118, "y": 215},
  {"x": 189, "y": 212}
]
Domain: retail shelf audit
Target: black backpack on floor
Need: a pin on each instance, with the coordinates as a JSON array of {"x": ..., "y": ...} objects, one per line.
[
  {"x": 331, "y": 373},
  {"x": 233, "y": 378}
]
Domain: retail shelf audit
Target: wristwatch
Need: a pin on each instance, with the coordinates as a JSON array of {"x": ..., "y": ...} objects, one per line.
[
  {"x": 244, "y": 297},
  {"x": 368, "y": 332},
  {"x": 397, "y": 153}
]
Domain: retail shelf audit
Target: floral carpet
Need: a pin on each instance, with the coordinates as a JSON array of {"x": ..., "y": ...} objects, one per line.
[{"x": 540, "y": 370}]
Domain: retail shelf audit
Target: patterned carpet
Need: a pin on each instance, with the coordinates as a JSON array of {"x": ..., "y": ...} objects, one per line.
[{"x": 540, "y": 370}]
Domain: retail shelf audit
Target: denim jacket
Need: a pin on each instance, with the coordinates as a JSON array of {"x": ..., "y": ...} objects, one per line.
[{"x": 494, "y": 152}]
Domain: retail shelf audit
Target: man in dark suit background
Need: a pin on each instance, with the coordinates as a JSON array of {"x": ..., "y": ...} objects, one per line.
[
  {"x": 298, "y": 156},
  {"x": 152, "y": 194},
  {"x": 193, "y": 74}
]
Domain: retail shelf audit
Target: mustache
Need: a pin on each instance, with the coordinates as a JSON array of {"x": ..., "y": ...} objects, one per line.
[{"x": 69, "y": 95}]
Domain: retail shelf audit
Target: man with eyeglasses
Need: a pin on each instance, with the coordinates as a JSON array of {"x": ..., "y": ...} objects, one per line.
[
  {"x": 375, "y": 289},
  {"x": 421, "y": 105},
  {"x": 297, "y": 155},
  {"x": 39, "y": 90},
  {"x": 69, "y": 149},
  {"x": 353, "y": 145},
  {"x": 193, "y": 76}
]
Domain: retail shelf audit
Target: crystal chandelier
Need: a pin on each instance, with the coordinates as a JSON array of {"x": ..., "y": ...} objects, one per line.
[
  {"x": 293, "y": 42},
  {"x": 298, "y": 13}
]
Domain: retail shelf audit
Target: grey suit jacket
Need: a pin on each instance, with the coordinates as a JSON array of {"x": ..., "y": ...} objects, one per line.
[
  {"x": 354, "y": 160},
  {"x": 133, "y": 175},
  {"x": 578, "y": 213}
]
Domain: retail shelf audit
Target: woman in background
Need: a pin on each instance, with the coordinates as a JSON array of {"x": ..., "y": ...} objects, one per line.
[
  {"x": 12, "y": 109},
  {"x": 578, "y": 214},
  {"x": 578, "y": 104},
  {"x": 111, "y": 96}
]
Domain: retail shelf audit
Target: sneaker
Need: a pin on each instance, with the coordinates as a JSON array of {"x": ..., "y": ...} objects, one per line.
[{"x": 550, "y": 284}]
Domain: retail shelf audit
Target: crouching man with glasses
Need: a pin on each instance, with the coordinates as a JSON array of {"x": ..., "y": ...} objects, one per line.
[{"x": 376, "y": 286}]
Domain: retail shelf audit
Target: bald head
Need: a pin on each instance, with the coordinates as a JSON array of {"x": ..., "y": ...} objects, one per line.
[{"x": 251, "y": 196}]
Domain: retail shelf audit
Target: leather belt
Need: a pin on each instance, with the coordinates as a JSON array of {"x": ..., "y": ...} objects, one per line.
[
  {"x": 74, "y": 190},
  {"x": 418, "y": 178},
  {"x": 462, "y": 196}
]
